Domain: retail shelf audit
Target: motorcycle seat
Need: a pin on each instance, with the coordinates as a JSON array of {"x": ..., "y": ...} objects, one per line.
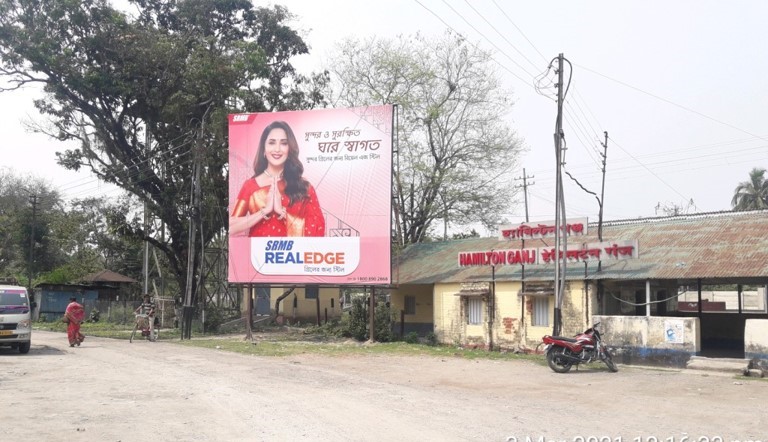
[{"x": 564, "y": 338}]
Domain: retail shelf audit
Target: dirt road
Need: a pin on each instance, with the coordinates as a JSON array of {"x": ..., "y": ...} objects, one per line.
[{"x": 110, "y": 390}]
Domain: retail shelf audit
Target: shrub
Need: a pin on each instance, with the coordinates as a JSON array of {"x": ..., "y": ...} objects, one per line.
[
  {"x": 431, "y": 339},
  {"x": 411, "y": 338},
  {"x": 355, "y": 324},
  {"x": 215, "y": 316},
  {"x": 382, "y": 321},
  {"x": 121, "y": 314}
]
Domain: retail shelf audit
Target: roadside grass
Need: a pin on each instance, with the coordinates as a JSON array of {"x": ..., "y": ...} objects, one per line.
[
  {"x": 340, "y": 348},
  {"x": 741, "y": 377},
  {"x": 283, "y": 342},
  {"x": 291, "y": 341},
  {"x": 103, "y": 329}
]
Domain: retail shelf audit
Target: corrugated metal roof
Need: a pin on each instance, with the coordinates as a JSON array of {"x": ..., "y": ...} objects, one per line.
[
  {"x": 711, "y": 246},
  {"x": 107, "y": 276}
]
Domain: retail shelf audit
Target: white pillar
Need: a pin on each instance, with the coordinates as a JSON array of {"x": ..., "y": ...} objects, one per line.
[{"x": 648, "y": 297}]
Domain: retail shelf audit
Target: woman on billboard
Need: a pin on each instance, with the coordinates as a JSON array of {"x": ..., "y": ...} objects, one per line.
[{"x": 277, "y": 200}]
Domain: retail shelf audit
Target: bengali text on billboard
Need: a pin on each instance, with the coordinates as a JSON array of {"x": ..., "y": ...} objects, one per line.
[{"x": 310, "y": 196}]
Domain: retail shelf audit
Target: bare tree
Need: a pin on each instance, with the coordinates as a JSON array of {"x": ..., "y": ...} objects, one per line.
[{"x": 455, "y": 151}]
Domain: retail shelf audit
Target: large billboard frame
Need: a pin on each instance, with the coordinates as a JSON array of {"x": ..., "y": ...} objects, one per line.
[{"x": 347, "y": 155}]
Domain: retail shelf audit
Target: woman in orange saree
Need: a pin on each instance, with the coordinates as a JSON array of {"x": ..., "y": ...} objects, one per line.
[{"x": 75, "y": 313}]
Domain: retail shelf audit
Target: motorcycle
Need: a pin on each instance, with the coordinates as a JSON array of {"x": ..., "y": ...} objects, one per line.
[{"x": 563, "y": 353}]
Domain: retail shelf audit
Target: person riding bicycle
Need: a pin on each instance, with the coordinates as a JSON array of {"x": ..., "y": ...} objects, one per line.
[{"x": 147, "y": 307}]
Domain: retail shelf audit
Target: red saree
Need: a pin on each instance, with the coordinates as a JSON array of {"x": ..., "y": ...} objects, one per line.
[
  {"x": 75, "y": 314},
  {"x": 303, "y": 218}
]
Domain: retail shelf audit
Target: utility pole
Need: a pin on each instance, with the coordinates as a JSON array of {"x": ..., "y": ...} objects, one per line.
[
  {"x": 194, "y": 224},
  {"x": 186, "y": 330},
  {"x": 33, "y": 201},
  {"x": 145, "y": 262},
  {"x": 559, "y": 204},
  {"x": 602, "y": 192},
  {"x": 525, "y": 190},
  {"x": 600, "y": 287},
  {"x": 525, "y": 185},
  {"x": 145, "y": 266}
]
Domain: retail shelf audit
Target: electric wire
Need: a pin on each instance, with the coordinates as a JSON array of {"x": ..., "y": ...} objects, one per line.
[
  {"x": 701, "y": 114},
  {"x": 501, "y": 35},
  {"x": 640, "y": 304},
  {"x": 475, "y": 45},
  {"x": 146, "y": 162},
  {"x": 538, "y": 80},
  {"x": 520, "y": 31},
  {"x": 627, "y": 85}
]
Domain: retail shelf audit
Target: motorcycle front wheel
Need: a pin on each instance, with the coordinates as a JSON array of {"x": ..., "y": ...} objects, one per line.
[
  {"x": 609, "y": 361},
  {"x": 555, "y": 362}
]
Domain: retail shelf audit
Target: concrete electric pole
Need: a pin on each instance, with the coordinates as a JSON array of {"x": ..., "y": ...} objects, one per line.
[{"x": 525, "y": 190}]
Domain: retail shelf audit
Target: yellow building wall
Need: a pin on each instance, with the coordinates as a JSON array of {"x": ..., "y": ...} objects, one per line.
[
  {"x": 513, "y": 317},
  {"x": 424, "y": 302},
  {"x": 579, "y": 304},
  {"x": 575, "y": 308},
  {"x": 306, "y": 309},
  {"x": 507, "y": 323},
  {"x": 450, "y": 326}
]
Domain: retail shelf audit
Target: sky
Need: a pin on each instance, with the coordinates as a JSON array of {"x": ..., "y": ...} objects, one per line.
[{"x": 680, "y": 87}]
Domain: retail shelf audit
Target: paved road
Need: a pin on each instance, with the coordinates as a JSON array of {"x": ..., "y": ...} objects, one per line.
[{"x": 110, "y": 390}]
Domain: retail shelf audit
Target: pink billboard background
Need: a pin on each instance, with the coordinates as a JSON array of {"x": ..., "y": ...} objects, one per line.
[{"x": 347, "y": 157}]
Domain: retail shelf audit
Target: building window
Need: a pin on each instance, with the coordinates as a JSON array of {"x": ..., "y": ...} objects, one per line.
[
  {"x": 310, "y": 292},
  {"x": 540, "y": 311},
  {"x": 410, "y": 305},
  {"x": 474, "y": 311}
]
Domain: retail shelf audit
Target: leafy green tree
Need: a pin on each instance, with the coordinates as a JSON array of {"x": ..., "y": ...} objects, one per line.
[
  {"x": 147, "y": 95},
  {"x": 29, "y": 210},
  {"x": 752, "y": 194},
  {"x": 91, "y": 226},
  {"x": 13, "y": 201},
  {"x": 69, "y": 241},
  {"x": 455, "y": 153}
]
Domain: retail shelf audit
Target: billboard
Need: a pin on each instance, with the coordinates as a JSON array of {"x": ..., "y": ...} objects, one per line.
[{"x": 310, "y": 196}]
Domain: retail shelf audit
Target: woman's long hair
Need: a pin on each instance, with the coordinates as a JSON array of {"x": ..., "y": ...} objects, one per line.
[{"x": 295, "y": 185}]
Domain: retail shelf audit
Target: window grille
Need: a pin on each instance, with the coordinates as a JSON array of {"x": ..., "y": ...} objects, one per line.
[
  {"x": 541, "y": 311},
  {"x": 474, "y": 311},
  {"x": 410, "y": 305}
]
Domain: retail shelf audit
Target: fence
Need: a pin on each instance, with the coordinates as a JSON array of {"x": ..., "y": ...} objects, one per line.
[
  {"x": 168, "y": 312},
  {"x": 122, "y": 312}
]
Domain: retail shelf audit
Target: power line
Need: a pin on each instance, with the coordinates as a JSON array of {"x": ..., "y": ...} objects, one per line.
[
  {"x": 477, "y": 47},
  {"x": 501, "y": 35},
  {"x": 520, "y": 31},
  {"x": 673, "y": 103},
  {"x": 650, "y": 171}
]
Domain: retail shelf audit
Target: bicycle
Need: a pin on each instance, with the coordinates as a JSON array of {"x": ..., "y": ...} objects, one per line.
[{"x": 142, "y": 323}]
